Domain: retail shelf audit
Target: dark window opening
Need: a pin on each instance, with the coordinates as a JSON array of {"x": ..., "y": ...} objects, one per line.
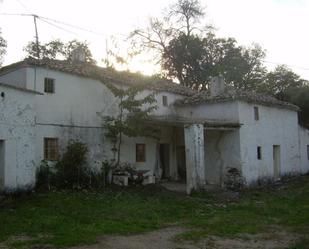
[
  {"x": 51, "y": 149},
  {"x": 259, "y": 153},
  {"x": 164, "y": 100},
  {"x": 49, "y": 85},
  {"x": 256, "y": 113},
  {"x": 308, "y": 152},
  {"x": 140, "y": 152}
]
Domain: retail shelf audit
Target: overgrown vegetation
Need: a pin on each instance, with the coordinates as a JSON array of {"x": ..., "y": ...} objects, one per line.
[
  {"x": 132, "y": 113},
  {"x": 71, "y": 171},
  {"x": 64, "y": 219}
]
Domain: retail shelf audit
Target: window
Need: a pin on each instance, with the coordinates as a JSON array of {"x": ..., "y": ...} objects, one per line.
[
  {"x": 51, "y": 149},
  {"x": 49, "y": 85},
  {"x": 308, "y": 152},
  {"x": 164, "y": 100},
  {"x": 256, "y": 113},
  {"x": 140, "y": 152},
  {"x": 259, "y": 153}
]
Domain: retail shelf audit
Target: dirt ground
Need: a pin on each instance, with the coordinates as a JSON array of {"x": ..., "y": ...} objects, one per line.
[{"x": 165, "y": 239}]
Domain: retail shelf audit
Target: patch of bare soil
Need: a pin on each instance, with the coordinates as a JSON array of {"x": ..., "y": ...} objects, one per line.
[{"x": 165, "y": 239}]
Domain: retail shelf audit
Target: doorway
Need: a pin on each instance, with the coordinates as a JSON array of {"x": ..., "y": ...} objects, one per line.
[
  {"x": 181, "y": 162},
  {"x": 276, "y": 161},
  {"x": 2, "y": 153},
  {"x": 165, "y": 160}
]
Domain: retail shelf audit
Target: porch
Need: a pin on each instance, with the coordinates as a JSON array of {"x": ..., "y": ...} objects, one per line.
[{"x": 195, "y": 153}]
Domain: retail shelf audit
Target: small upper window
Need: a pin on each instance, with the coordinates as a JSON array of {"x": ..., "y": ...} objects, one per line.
[
  {"x": 51, "y": 149},
  {"x": 164, "y": 100},
  {"x": 49, "y": 85},
  {"x": 256, "y": 113},
  {"x": 259, "y": 153},
  {"x": 308, "y": 152},
  {"x": 140, "y": 152}
]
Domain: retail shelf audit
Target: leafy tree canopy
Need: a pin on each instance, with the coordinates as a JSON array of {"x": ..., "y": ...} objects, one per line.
[
  {"x": 281, "y": 80},
  {"x": 191, "y": 53},
  {"x": 3, "y": 46},
  {"x": 57, "y": 49}
]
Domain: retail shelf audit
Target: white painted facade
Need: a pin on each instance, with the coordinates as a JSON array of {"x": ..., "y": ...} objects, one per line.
[
  {"x": 17, "y": 138},
  {"x": 75, "y": 109}
]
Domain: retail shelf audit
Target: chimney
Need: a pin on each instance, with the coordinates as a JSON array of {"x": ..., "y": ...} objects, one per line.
[
  {"x": 216, "y": 86},
  {"x": 78, "y": 55}
]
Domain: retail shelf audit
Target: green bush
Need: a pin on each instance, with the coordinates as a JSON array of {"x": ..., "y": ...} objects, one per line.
[
  {"x": 44, "y": 176},
  {"x": 71, "y": 169}
]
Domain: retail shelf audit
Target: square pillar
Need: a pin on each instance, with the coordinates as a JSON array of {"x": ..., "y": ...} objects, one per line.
[{"x": 195, "y": 161}]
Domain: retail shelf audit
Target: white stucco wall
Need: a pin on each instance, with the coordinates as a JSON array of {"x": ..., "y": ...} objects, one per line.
[
  {"x": 275, "y": 127},
  {"x": 17, "y": 111},
  {"x": 72, "y": 113},
  {"x": 15, "y": 77},
  {"x": 303, "y": 143},
  {"x": 222, "y": 151},
  {"x": 225, "y": 111}
]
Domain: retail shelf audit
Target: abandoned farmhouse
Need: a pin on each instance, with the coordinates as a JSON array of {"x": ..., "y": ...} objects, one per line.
[{"x": 46, "y": 103}]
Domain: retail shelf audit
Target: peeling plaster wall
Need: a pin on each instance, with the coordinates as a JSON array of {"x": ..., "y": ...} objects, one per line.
[
  {"x": 303, "y": 143},
  {"x": 217, "y": 111},
  {"x": 17, "y": 77},
  {"x": 72, "y": 113},
  {"x": 222, "y": 150},
  {"x": 274, "y": 127},
  {"x": 18, "y": 132}
]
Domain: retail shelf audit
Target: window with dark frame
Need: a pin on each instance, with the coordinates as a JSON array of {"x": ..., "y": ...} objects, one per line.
[
  {"x": 49, "y": 85},
  {"x": 259, "y": 153},
  {"x": 51, "y": 151},
  {"x": 256, "y": 113},
  {"x": 164, "y": 100},
  {"x": 308, "y": 152},
  {"x": 140, "y": 153}
]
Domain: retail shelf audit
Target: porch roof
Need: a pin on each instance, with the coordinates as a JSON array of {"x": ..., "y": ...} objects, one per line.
[{"x": 209, "y": 124}]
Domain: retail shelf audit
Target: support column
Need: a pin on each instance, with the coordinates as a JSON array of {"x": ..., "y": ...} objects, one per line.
[{"x": 195, "y": 161}]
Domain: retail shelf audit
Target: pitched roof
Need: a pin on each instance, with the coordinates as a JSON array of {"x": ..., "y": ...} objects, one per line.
[
  {"x": 233, "y": 94},
  {"x": 106, "y": 75}
]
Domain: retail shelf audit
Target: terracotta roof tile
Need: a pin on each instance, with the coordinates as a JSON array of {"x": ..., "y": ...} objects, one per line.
[{"x": 233, "y": 94}]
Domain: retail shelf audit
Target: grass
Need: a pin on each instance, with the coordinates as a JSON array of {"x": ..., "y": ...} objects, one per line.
[{"x": 63, "y": 219}]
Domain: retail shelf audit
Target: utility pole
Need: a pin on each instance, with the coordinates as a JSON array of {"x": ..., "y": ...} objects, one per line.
[{"x": 36, "y": 37}]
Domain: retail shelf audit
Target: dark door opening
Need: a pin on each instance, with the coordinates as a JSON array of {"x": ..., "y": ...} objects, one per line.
[
  {"x": 165, "y": 160},
  {"x": 181, "y": 162},
  {"x": 2, "y": 164}
]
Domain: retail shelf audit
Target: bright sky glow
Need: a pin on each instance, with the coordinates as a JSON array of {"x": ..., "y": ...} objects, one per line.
[{"x": 279, "y": 26}]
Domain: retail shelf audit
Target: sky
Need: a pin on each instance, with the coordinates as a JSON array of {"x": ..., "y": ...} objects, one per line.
[{"x": 279, "y": 26}]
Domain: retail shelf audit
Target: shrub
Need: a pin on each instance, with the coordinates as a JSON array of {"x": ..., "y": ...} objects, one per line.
[
  {"x": 71, "y": 169},
  {"x": 44, "y": 176}
]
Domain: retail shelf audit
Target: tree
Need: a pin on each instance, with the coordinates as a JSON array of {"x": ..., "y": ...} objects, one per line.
[
  {"x": 3, "y": 46},
  {"x": 56, "y": 49},
  {"x": 192, "y": 53},
  {"x": 131, "y": 117},
  {"x": 281, "y": 80},
  {"x": 300, "y": 97},
  {"x": 193, "y": 60}
]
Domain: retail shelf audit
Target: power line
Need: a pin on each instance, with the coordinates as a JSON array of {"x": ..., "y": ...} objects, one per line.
[
  {"x": 56, "y": 26},
  {"x": 73, "y": 26},
  {"x": 49, "y": 20}
]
